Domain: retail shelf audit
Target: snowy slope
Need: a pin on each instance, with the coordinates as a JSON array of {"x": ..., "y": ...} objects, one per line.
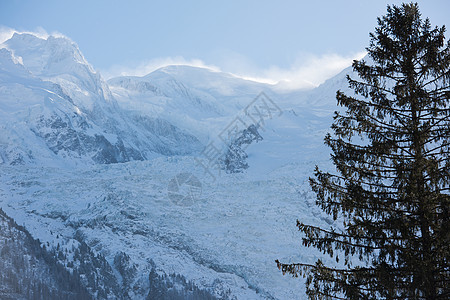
[
  {"x": 226, "y": 239},
  {"x": 57, "y": 111}
]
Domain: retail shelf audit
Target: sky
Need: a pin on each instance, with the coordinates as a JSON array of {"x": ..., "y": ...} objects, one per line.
[{"x": 300, "y": 43}]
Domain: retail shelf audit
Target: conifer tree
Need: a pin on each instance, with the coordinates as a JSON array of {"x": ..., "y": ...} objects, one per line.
[{"x": 391, "y": 149}]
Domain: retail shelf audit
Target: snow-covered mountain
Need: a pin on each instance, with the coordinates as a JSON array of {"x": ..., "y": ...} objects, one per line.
[
  {"x": 198, "y": 99},
  {"x": 94, "y": 166},
  {"x": 51, "y": 96}
]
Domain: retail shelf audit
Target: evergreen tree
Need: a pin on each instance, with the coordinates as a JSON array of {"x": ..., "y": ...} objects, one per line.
[{"x": 390, "y": 147}]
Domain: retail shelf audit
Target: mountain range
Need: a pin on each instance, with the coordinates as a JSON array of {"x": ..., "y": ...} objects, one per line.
[{"x": 90, "y": 167}]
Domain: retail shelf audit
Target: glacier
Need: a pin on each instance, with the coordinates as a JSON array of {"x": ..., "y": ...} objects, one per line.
[{"x": 88, "y": 162}]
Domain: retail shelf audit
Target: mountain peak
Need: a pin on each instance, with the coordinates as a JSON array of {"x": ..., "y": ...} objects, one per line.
[{"x": 51, "y": 56}]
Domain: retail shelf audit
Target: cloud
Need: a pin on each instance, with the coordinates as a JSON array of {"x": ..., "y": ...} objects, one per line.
[
  {"x": 307, "y": 71},
  {"x": 149, "y": 66}
]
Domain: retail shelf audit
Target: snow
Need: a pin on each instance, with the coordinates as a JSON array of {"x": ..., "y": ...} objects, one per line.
[
  {"x": 233, "y": 232},
  {"x": 229, "y": 236}
]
